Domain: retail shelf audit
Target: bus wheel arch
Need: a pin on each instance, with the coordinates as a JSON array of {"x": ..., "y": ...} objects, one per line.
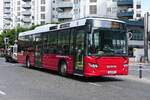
[{"x": 62, "y": 67}]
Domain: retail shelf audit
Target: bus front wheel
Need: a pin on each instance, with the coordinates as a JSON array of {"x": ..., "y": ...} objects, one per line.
[{"x": 63, "y": 68}]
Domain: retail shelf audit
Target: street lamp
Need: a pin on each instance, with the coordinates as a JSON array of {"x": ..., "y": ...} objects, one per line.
[{"x": 147, "y": 30}]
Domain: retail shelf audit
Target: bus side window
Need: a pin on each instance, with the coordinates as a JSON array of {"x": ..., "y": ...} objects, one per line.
[
  {"x": 45, "y": 43},
  {"x": 80, "y": 45},
  {"x": 19, "y": 48},
  {"x": 71, "y": 43},
  {"x": 63, "y": 42},
  {"x": 52, "y": 41}
]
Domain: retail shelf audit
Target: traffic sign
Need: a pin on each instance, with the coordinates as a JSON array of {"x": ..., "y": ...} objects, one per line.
[
  {"x": 130, "y": 35},
  {"x": 6, "y": 40}
]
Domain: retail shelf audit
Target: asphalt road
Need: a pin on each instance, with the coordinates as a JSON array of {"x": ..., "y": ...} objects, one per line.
[{"x": 20, "y": 83}]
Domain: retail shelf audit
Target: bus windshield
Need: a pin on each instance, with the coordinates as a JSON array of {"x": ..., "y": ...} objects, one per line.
[{"x": 107, "y": 42}]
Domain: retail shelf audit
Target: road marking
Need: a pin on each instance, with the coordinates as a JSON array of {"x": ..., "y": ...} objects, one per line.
[
  {"x": 117, "y": 87},
  {"x": 98, "y": 85},
  {"x": 2, "y": 93},
  {"x": 113, "y": 86}
]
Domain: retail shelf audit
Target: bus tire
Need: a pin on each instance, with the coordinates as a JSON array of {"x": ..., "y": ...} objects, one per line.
[
  {"x": 63, "y": 68},
  {"x": 28, "y": 64}
]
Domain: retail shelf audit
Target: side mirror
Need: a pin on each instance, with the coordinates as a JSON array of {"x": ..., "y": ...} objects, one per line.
[{"x": 129, "y": 35}]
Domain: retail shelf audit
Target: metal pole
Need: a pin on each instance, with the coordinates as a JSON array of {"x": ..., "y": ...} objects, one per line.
[
  {"x": 140, "y": 71},
  {"x": 146, "y": 38},
  {"x": 16, "y": 29}
]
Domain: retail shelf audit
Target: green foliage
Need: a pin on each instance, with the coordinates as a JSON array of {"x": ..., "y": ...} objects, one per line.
[
  {"x": 12, "y": 34},
  {"x": 33, "y": 27}
]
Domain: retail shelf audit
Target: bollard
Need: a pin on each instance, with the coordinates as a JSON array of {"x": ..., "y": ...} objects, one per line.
[{"x": 140, "y": 71}]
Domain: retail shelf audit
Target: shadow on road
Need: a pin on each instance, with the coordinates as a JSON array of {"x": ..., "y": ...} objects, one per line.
[
  {"x": 94, "y": 79},
  {"x": 78, "y": 78}
]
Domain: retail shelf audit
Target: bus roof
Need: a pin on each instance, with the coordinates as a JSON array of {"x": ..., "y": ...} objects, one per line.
[
  {"x": 74, "y": 23},
  {"x": 39, "y": 29}
]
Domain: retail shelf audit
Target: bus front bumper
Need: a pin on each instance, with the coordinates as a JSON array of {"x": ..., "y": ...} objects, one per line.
[{"x": 92, "y": 73}]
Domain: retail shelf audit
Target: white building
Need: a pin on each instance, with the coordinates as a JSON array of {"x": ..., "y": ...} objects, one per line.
[
  {"x": 7, "y": 14},
  {"x": 26, "y": 13},
  {"x": 1, "y": 16},
  {"x": 129, "y": 9},
  {"x": 75, "y": 9},
  {"x": 137, "y": 9},
  {"x": 64, "y": 10},
  {"x": 97, "y": 8},
  {"x": 43, "y": 11}
]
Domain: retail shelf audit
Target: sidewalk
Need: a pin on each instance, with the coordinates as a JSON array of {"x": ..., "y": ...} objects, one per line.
[{"x": 135, "y": 68}]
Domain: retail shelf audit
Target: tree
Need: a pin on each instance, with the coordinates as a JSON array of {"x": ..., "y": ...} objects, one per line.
[{"x": 10, "y": 33}]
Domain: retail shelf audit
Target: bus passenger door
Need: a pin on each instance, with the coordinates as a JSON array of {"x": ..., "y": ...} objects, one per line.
[
  {"x": 79, "y": 51},
  {"x": 38, "y": 52}
]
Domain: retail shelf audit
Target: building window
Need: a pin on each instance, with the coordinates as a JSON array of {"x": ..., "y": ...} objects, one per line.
[
  {"x": 93, "y": 9},
  {"x": 33, "y": 17},
  {"x": 138, "y": 6},
  {"x": 18, "y": 2},
  {"x": 42, "y": 8},
  {"x": 76, "y": 1},
  {"x": 18, "y": 13},
  {"x": 18, "y": 8},
  {"x": 42, "y": 22},
  {"x": 18, "y": 19},
  {"x": 108, "y": 9},
  {"x": 93, "y": 0},
  {"x": 42, "y": 16},
  {"x": 42, "y": 1},
  {"x": 138, "y": 15},
  {"x": 53, "y": 16}
]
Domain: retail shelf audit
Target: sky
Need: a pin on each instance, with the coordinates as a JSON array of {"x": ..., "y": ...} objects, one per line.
[{"x": 145, "y": 6}]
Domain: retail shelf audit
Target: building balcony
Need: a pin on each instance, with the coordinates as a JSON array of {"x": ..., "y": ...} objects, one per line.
[
  {"x": 6, "y": 11},
  {"x": 7, "y": 23},
  {"x": 6, "y": 27},
  {"x": 7, "y": 6},
  {"x": 7, "y": 17},
  {"x": 125, "y": 2},
  {"x": 26, "y": 0},
  {"x": 26, "y": 6},
  {"x": 125, "y": 14},
  {"x": 64, "y": 5},
  {"x": 64, "y": 15},
  {"x": 26, "y": 20},
  {"x": 26, "y": 13},
  {"x": 26, "y": 25},
  {"x": 7, "y": 1}
]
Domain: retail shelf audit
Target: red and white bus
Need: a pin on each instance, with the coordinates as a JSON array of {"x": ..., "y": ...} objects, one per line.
[{"x": 86, "y": 47}]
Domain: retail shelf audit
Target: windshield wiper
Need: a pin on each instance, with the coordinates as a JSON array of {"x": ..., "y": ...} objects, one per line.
[{"x": 105, "y": 54}]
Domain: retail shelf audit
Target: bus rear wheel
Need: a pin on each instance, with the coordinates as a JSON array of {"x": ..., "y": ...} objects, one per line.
[
  {"x": 63, "y": 68},
  {"x": 28, "y": 65}
]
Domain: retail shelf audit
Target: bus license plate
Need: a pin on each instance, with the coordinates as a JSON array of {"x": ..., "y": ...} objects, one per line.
[{"x": 112, "y": 72}]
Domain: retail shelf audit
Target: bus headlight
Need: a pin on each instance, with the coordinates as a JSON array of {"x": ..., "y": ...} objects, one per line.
[
  {"x": 126, "y": 65},
  {"x": 93, "y": 65}
]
